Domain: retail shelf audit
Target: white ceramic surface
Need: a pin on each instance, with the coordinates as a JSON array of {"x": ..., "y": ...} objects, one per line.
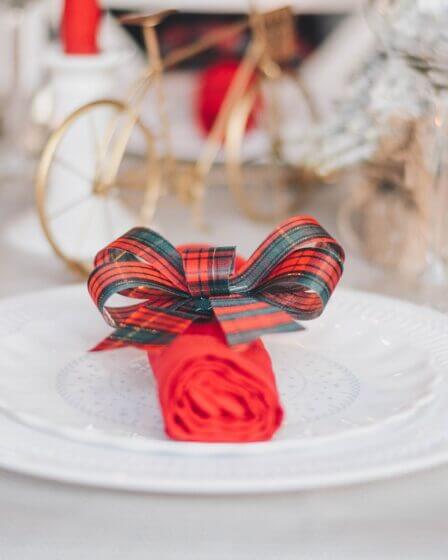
[
  {"x": 346, "y": 373},
  {"x": 369, "y": 367}
]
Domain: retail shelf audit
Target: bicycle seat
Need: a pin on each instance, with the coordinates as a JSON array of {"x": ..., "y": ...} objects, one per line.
[{"x": 146, "y": 20}]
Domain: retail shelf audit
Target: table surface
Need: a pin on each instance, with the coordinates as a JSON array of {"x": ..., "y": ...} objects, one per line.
[{"x": 392, "y": 519}]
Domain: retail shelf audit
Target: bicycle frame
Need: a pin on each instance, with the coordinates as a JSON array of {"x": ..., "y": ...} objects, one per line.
[
  {"x": 254, "y": 57},
  {"x": 271, "y": 48}
]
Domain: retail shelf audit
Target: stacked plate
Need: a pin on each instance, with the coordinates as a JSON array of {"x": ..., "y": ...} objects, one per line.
[{"x": 364, "y": 390}]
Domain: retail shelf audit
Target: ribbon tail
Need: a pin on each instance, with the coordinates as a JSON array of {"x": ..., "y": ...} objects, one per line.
[
  {"x": 146, "y": 327},
  {"x": 244, "y": 318},
  {"x": 139, "y": 338}
]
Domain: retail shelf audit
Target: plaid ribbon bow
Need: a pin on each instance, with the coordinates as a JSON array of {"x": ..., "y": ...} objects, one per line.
[{"x": 290, "y": 276}]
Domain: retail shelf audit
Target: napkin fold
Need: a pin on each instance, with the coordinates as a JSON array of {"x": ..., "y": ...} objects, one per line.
[{"x": 210, "y": 392}]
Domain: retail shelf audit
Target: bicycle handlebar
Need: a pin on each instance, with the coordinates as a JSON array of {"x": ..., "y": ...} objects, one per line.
[{"x": 208, "y": 41}]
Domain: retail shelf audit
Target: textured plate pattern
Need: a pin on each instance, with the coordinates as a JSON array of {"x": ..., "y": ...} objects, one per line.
[
  {"x": 413, "y": 440},
  {"x": 349, "y": 372}
]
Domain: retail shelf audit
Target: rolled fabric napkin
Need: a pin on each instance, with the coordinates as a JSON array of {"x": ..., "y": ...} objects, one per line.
[
  {"x": 200, "y": 315},
  {"x": 212, "y": 393}
]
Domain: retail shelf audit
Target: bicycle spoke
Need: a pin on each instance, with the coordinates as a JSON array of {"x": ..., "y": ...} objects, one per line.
[
  {"x": 105, "y": 145},
  {"x": 69, "y": 207},
  {"x": 72, "y": 169},
  {"x": 85, "y": 229}
]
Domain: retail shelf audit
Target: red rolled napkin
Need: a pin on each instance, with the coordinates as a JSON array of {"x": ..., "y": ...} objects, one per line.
[
  {"x": 212, "y": 393},
  {"x": 200, "y": 314},
  {"x": 80, "y": 24}
]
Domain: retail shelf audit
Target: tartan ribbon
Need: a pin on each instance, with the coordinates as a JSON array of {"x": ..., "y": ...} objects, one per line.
[{"x": 290, "y": 277}]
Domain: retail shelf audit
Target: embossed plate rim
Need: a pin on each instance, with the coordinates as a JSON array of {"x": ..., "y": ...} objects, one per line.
[
  {"x": 142, "y": 445},
  {"x": 380, "y": 455}
]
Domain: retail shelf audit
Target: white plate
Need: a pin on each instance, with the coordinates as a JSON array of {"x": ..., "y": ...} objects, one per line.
[
  {"x": 346, "y": 373},
  {"x": 385, "y": 357}
]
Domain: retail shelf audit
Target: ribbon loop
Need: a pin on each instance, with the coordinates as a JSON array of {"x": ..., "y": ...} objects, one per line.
[
  {"x": 208, "y": 270},
  {"x": 290, "y": 276}
]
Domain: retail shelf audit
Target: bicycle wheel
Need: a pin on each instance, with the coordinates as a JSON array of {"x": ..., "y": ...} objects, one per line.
[
  {"x": 262, "y": 175},
  {"x": 98, "y": 177}
]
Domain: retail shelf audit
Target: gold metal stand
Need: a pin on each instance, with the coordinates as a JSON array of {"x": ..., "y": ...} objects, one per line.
[{"x": 265, "y": 186}]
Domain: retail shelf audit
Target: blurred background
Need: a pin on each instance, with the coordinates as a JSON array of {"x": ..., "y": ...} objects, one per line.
[
  {"x": 212, "y": 124},
  {"x": 341, "y": 115}
]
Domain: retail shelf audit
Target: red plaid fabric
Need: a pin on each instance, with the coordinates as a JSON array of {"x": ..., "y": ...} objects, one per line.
[
  {"x": 208, "y": 270},
  {"x": 290, "y": 276}
]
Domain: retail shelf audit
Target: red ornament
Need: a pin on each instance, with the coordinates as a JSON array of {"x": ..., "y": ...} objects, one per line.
[
  {"x": 79, "y": 29},
  {"x": 213, "y": 86}
]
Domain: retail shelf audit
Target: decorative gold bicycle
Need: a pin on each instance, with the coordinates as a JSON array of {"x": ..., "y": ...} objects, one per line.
[{"x": 89, "y": 182}]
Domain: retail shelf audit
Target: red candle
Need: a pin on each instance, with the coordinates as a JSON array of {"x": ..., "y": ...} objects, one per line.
[{"x": 80, "y": 23}]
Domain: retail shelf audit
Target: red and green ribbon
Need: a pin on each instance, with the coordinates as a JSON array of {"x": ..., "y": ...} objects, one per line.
[{"x": 290, "y": 277}]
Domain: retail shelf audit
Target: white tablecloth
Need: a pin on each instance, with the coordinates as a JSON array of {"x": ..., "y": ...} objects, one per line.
[{"x": 404, "y": 518}]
